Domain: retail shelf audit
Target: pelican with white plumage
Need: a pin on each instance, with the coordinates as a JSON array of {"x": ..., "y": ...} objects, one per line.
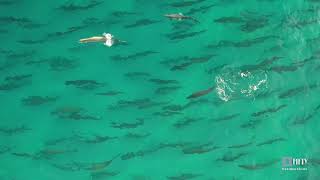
[{"x": 107, "y": 38}]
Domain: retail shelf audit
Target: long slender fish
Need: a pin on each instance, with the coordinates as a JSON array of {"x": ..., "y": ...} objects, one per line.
[
  {"x": 180, "y": 16},
  {"x": 200, "y": 93}
]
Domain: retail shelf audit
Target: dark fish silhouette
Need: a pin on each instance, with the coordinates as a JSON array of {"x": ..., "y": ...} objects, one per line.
[
  {"x": 216, "y": 69},
  {"x": 242, "y": 44},
  {"x": 73, "y": 7},
  {"x": 68, "y": 167},
  {"x": 161, "y": 81},
  {"x": 140, "y": 122},
  {"x": 306, "y": 117},
  {"x": 167, "y": 113},
  {"x": 136, "y": 135},
  {"x": 15, "y": 130},
  {"x": 129, "y": 155},
  {"x": 92, "y": 21},
  {"x": 133, "y": 56},
  {"x": 138, "y": 103},
  {"x": 73, "y": 113},
  {"x": 21, "y": 55},
  {"x": 303, "y": 119},
  {"x": 84, "y": 84},
  {"x": 180, "y": 36},
  {"x": 172, "y": 61},
  {"x": 271, "y": 141},
  {"x": 262, "y": 65},
  {"x": 180, "y": 16},
  {"x": 267, "y": 111},
  {"x": 281, "y": 69},
  {"x": 26, "y": 155},
  {"x": 8, "y": 2},
  {"x": 186, "y": 3},
  {"x": 200, "y": 93},
  {"x": 96, "y": 139},
  {"x": 124, "y": 13},
  {"x": 188, "y": 61},
  {"x": 54, "y": 142},
  {"x": 18, "y": 77},
  {"x": 110, "y": 93},
  {"x": 37, "y": 100},
  {"x": 292, "y": 92},
  {"x": 24, "y": 22},
  {"x": 4, "y": 149},
  {"x": 29, "y": 41},
  {"x": 176, "y": 145},
  {"x": 181, "y": 66},
  {"x": 297, "y": 90},
  {"x": 137, "y": 74},
  {"x": 140, "y": 153},
  {"x": 252, "y": 123},
  {"x": 49, "y": 153},
  {"x": 4, "y": 51},
  {"x": 254, "y": 24},
  {"x": 204, "y": 148},
  {"x": 100, "y": 165},
  {"x": 66, "y": 32},
  {"x": 230, "y": 19},
  {"x": 9, "y": 86},
  {"x": 79, "y": 116},
  {"x": 132, "y": 103},
  {"x": 258, "y": 166},
  {"x": 226, "y": 118},
  {"x": 81, "y": 82},
  {"x": 241, "y": 145},
  {"x": 166, "y": 90},
  {"x": 197, "y": 103},
  {"x": 173, "y": 108},
  {"x": 142, "y": 22},
  {"x": 184, "y": 176},
  {"x": 185, "y": 122},
  {"x": 202, "y": 9},
  {"x": 314, "y": 161},
  {"x": 229, "y": 157}
]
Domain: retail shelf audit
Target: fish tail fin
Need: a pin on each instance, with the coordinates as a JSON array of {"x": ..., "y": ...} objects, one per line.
[{"x": 195, "y": 20}]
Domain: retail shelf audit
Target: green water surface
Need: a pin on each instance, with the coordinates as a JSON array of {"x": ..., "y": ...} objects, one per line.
[{"x": 89, "y": 112}]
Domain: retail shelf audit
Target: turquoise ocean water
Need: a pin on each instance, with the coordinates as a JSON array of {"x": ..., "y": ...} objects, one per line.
[{"x": 90, "y": 112}]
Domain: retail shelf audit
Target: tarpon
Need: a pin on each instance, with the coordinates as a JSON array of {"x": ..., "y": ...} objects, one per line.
[
  {"x": 179, "y": 16},
  {"x": 200, "y": 93}
]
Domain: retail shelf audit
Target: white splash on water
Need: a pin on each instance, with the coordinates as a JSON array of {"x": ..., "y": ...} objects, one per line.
[{"x": 240, "y": 83}]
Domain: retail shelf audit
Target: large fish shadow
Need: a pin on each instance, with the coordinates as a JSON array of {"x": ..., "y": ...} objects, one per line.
[
  {"x": 142, "y": 22},
  {"x": 73, "y": 113},
  {"x": 71, "y": 6},
  {"x": 176, "y": 36},
  {"x": 133, "y": 56},
  {"x": 15, "y": 82}
]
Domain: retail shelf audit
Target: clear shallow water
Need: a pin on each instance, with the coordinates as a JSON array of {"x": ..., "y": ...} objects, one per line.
[{"x": 260, "y": 58}]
